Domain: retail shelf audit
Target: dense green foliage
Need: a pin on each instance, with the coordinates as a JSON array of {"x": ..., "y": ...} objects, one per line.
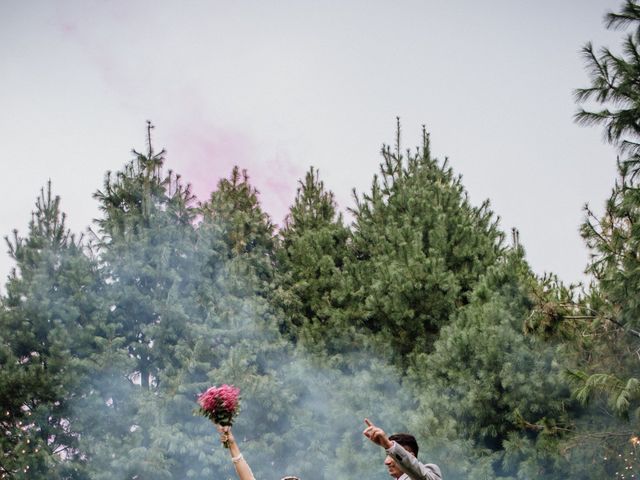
[
  {"x": 614, "y": 84},
  {"x": 51, "y": 329},
  {"x": 418, "y": 315},
  {"x": 311, "y": 255},
  {"x": 419, "y": 248}
]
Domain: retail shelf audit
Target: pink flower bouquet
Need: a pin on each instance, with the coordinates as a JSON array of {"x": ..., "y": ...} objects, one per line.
[{"x": 220, "y": 404}]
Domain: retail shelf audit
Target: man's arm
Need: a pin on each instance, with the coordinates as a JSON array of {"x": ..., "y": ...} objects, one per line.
[
  {"x": 406, "y": 462},
  {"x": 410, "y": 465}
]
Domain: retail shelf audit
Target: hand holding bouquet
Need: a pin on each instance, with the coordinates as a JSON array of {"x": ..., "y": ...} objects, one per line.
[{"x": 220, "y": 405}]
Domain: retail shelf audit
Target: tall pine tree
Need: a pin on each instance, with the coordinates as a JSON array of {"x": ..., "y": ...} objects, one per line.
[
  {"x": 51, "y": 335},
  {"x": 145, "y": 240},
  {"x": 311, "y": 256},
  {"x": 419, "y": 247},
  {"x": 600, "y": 326}
]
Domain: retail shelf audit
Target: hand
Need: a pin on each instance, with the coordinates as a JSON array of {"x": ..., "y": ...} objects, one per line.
[
  {"x": 226, "y": 437},
  {"x": 376, "y": 435}
]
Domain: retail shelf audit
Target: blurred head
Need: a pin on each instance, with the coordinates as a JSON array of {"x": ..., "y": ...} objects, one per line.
[
  {"x": 392, "y": 467},
  {"x": 406, "y": 441}
]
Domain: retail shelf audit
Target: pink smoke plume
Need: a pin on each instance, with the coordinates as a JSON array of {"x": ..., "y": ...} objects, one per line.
[
  {"x": 197, "y": 146},
  {"x": 205, "y": 155}
]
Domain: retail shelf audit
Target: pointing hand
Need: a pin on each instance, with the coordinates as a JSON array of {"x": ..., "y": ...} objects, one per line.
[{"x": 376, "y": 435}]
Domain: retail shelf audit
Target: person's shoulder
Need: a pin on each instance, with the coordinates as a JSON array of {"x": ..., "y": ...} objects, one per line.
[{"x": 434, "y": 468}]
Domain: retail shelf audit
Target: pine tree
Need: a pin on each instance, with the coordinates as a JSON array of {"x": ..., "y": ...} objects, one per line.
[
  {"x": 145, "y": 244},
  {"x": 605, "y": 372},
  {"x": 144, "y": 235},
  {"x": 310, "y": 256},
  {"x": 243, "y": 347},
  {"x": 614, "y": 85},
  {"x": 419, "y": 247},
  {"x": 234, "y": 215},
  {"x": 600, "y": 327},
  {"x": 50, "y": 332},
  {"x": 489, "y": 384}
]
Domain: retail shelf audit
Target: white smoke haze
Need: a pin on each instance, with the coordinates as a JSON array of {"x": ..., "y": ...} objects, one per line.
[
  {"x": 302, "y": 414},
  {"x": 298, "y": 416}
]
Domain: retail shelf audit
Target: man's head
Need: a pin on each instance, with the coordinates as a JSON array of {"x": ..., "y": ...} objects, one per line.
[{"x": 406, "y": 441}]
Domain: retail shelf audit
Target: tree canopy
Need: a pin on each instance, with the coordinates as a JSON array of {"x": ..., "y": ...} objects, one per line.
[{"x": 411, "y": 308}]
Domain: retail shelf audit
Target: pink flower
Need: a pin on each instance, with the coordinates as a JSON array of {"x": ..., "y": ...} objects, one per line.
[{"x": 220, "y": 404}]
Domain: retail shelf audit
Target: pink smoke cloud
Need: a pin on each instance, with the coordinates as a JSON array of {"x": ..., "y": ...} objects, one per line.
[
  {"x": 201, "y": 147},
  {"x": 204, "y": 155}
]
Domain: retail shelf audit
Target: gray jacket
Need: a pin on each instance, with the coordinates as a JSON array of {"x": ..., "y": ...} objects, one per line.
[{"x": 413, "y": 469}]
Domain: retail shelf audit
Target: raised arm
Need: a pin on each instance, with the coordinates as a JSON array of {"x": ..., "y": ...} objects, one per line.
[
  {"x": 405, "y": 461},
  {"x": 242, "y": 467},
  {"x": 410, "y": 465}
]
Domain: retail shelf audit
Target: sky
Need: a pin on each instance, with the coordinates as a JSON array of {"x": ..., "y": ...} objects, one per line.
[{"x": 278, "y": 87}]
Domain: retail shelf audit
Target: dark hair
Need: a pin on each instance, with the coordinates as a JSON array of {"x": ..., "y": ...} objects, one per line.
[{"x": 407, "y": 441}]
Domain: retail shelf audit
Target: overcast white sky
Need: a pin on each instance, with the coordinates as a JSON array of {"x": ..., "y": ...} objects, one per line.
[{"x": 276, "y": 87}]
